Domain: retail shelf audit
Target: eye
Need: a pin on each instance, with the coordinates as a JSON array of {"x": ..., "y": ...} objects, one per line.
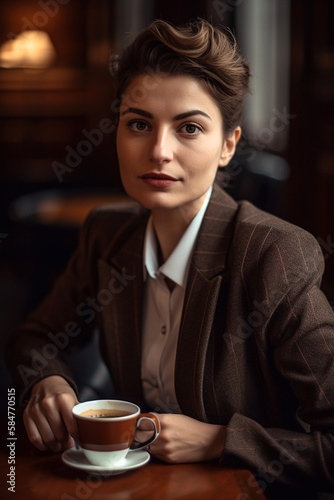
[
  {"x": 190, "y": 129},
  {"x": 138, "y": 125}
]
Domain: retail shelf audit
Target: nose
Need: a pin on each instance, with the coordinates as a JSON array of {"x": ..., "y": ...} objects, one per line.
[{"x": 161, "y": 150}]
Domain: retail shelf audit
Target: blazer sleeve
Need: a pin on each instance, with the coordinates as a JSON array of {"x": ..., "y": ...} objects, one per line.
[
  {"x": 39, "y": 347},
  {"x": 299, "y": 329}
]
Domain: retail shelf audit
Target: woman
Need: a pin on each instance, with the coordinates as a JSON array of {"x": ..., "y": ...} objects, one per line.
[{"x": 209, "y": 311}]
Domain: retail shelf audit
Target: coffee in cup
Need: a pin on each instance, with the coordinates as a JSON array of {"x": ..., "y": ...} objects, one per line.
[
  {"x": 105, "y": 430},
  {"x": 104, "y": 413}
]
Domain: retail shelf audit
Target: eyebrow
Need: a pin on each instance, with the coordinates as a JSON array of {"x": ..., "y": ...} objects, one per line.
[{"x": 181, "y": 116}]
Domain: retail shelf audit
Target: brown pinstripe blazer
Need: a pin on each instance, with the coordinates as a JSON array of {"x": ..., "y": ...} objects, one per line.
[{"x": 256, "y": 341}]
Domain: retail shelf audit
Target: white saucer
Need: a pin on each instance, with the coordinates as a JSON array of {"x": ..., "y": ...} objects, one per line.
[{"x": 76, "y": 458}]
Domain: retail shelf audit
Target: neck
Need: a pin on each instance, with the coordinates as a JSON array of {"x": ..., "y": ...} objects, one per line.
[{"x": 169, "y": 226}]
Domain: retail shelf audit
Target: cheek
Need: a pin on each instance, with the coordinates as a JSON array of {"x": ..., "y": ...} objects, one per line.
[
  {"x": 127, "y": 151},
  {"x": 204, "y": 163}
]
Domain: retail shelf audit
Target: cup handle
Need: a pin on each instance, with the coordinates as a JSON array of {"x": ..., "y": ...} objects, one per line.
[{"x": 156, "y": 423}]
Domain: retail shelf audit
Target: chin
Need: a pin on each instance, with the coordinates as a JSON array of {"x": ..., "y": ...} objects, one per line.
[
  {"x": 150, "y": 205},
  {"x": 154, "y": 201}
]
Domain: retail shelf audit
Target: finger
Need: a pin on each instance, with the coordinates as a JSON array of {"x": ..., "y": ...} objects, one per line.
[
  {"x": 65, "y": 408},
  {"x": 49, "y": 418},
  {"x": 143, "y": 436},
  {"x": 165, "y": 451},
  {"x": 146, "y": 425},
  {"x": 49, "y": 423},
  {"x": 40, "y": 432},
  {"x": 145, "y": 431},
  {"x": 58, "y": 429},
  {"x": 33, "y": 434},
  {"x": 69, "y": 443}
]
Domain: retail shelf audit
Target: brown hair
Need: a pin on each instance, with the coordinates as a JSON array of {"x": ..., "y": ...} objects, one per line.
[{"x": 198, "y": 49}]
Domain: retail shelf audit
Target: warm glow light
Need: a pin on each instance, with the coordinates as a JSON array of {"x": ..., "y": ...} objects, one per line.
[{"x": 30, "y": 49}]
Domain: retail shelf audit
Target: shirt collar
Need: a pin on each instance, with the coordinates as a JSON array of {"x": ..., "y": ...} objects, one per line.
[{"x": 177, "y": 265}]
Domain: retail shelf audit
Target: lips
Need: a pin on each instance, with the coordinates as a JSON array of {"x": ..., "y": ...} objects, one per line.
[{"x": 158, "y": 179}]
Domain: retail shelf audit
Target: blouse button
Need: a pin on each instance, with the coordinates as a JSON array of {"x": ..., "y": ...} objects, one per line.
[{"x": 163, "y": 329}]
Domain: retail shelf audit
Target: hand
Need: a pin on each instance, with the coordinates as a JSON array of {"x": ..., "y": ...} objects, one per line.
[
  {"x": 48, "y": 416},
  {"x": 184, "y": 439}
]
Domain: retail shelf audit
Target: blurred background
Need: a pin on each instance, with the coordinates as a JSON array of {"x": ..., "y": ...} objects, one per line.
[{"x": 58, "y": 157}]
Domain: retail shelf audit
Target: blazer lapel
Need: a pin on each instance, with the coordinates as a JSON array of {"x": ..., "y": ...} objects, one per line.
[
  {"x": 208, "y": 279},
  {"x": 122, "y": 316}
]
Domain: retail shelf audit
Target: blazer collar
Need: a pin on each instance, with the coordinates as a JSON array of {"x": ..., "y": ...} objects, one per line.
[
  {"x": 212, "y": 244},
  {"x": 215, "y": 235}
]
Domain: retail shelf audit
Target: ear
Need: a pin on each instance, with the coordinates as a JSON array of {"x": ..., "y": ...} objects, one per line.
[{"x": 229, "y": 147}]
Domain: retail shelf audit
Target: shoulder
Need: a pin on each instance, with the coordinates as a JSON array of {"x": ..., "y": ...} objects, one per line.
[
  {"x": 255, "y": 229},
  {"x": 115, "y": 215},
  {"x": 254, "y": 226},
  {"x": 266, "y": 244}
]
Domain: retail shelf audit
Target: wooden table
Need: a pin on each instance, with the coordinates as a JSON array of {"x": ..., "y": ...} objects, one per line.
[{"x": 43, "y": 476}]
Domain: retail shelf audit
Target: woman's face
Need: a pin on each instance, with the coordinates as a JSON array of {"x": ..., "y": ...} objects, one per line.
[{"x": 170, "y": 142}]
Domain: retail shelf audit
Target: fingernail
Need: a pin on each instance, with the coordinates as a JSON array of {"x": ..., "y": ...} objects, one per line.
[{"x": 56, "y": 447}]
